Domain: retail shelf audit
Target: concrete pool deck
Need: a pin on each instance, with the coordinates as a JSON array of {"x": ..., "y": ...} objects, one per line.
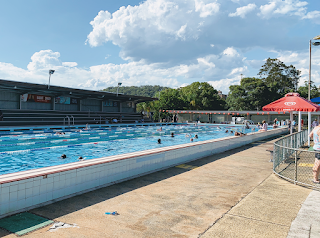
[{"x": 231, "y": 194}]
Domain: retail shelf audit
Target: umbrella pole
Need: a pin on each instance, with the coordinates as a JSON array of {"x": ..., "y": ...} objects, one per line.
[
  {"x": 299, "y": 121},
  {"x": 291, "y": 119},
  {"x": 309, "y": 127}
]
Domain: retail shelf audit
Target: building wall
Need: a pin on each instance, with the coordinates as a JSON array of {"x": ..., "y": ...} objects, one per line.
[
  {"x": 36, "y": 106},
  {"x": 127, "y": 107},
  {"x": 66, "y": 107},
  {"x": 9, "y": 100},
  {"x": 111, "y": 106},
  {"x": 91, "y": 105}
]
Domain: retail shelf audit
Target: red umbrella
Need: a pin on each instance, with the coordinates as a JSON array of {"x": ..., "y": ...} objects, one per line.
[{"x": 292, "y": 102}]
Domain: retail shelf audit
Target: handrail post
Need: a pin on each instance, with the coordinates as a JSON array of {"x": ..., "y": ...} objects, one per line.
[
  {"x": 72, "y": 120},
  {"x": 295, "y": 167},
  {"x": 68, "y": 120}
]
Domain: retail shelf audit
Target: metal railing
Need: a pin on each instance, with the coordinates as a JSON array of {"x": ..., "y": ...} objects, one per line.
[
  {"x": 64, "y": 120},
  {"x": 293, "y": 160}
]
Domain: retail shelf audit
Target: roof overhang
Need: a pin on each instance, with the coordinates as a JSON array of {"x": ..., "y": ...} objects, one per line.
[{"x": 55, "y": 91}]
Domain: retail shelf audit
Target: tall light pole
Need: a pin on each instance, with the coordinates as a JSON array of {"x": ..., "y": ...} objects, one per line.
[
  {"x": 316, "y": 43},
  {"x": 119, "y": 84},
  {"x": 51, "y": 71}
]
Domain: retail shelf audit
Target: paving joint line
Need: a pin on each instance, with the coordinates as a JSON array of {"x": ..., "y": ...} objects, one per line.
[{"x": 255, "y": 219}]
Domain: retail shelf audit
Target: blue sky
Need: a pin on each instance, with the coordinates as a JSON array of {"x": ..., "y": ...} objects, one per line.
[{"x": 172, "y": 43}]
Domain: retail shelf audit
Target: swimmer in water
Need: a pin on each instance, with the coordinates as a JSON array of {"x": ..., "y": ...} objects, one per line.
[
  {"x": 226, "y": 131},
  {"x": 196, "y": 136},
  {"x": 172, "y": 134},
  {"x": 80, "y": 158},
  {"x": 159, "y": 141},
  {"x": 63, "y": 156},
  {"x": 191, "y": 140},
  {"x": 160, "y": 129},
  {"x": 60, "y": 133},
  {"x": 87, "y": 127}
]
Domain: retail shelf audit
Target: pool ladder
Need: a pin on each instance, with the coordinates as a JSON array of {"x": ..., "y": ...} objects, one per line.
[{"x": 69, "y": 120}]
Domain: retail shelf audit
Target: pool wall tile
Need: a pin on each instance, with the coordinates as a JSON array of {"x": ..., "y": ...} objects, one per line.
[
  {"x": 13, "y": 196},
  {"x": 29, "y": 192},
  {"x": 52, "y": 185},
  {"x": 5, "y": 198},
  {"x": 21, "y": 194},
  {"x": 5, "y": 189},
  {"x": 22, "y": 185},
  {"x": 14, "y": 188}
]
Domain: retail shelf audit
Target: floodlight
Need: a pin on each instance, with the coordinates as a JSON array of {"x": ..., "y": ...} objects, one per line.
[{"x": 51, "y": 71}]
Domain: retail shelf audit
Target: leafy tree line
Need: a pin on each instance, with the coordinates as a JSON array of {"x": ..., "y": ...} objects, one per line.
[
  {"x": 273, "y": 81},
  {"x": 196, "y": 96},
  {"x": 146, "y": 90}
]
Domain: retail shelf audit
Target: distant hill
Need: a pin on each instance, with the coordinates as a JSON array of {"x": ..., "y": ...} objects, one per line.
[{"x": 145, "y": 91}]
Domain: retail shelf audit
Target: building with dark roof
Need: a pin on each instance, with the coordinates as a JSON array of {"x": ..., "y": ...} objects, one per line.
[{"x": 27, "y": 98}]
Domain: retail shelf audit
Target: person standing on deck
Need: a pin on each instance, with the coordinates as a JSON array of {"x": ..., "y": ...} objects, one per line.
[
  {"x": 315, "y": 123},
  {"x": 315, "y": 133}
]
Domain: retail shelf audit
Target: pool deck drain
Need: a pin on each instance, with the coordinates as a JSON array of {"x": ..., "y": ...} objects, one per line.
[{"x": 23, "y": 223}]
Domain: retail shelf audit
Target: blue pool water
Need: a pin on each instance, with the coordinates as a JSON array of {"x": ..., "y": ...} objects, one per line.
[{"x": 30, "y": 151}]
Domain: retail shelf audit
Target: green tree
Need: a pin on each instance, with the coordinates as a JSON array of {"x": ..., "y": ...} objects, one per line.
[
  {"x": 303, "y": 90},
  {"x": 201, "y": 96},
  {"x": 146, "y": 90},
  {"x": 170, "y": 99},
  {"x": 251, "y": 94},
  {"x": 279, "y": 78},
  {"x": 237, "y": 100}
]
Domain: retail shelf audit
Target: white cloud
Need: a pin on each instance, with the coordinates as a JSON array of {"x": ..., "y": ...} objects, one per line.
[
  {"x": 157, "y": 26},
  {"x": 208, "y": 68},
  {"x": 243, "y": 11},
  {"x": 238, "y": 70},
  {"x": 276, "y": 8},
  {"x": 223, "y": 84},
  {"x": 311, "y": 15},
  {"x": 69, "y": 64},
  {"x": 230, "y": 52},
  {"x": 206, "y": 10},
  {"x": 44, "y": 58},
  {"x": 301, "y": 61},
  {"x": 314, "y": 16},
  {"x": 178, "y": 42},
  {"x": 266, "y": 10},
  {"x": 179, "y": 32}
]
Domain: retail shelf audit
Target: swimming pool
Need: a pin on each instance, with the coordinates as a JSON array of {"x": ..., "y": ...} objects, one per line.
[
  {"x": 24, "y": 151},
  {"x": 38, "y": 182}
]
